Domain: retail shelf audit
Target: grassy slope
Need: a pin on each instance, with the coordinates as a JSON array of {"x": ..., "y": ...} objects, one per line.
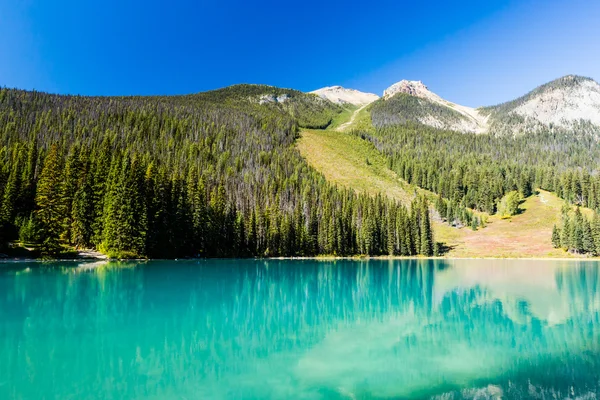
[
  {"x": 527, "y": 234},
  {"x": 342, "y": 117},
  {"x": 342, "y": 158}
]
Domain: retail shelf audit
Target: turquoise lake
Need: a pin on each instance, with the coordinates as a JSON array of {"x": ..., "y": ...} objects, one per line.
[{"x": 255, "y": 329}]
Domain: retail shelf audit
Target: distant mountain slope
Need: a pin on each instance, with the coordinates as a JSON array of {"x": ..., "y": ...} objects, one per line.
[
  {"x": 411, "y": 101},
  {"x": 309, "y": 110},
  {"x": 340, "y": 95},
  {"x": 570, "y": 104}
]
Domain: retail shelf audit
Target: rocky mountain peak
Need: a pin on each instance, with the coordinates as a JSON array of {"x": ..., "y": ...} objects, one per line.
[
  {"x": 413, "y": 88},
  {"x": 341, "y": 95}
]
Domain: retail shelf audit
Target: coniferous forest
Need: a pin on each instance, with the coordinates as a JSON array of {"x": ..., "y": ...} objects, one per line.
[
  {"x": 209, "y": 175},
  {"x": 476, "y": 171}
]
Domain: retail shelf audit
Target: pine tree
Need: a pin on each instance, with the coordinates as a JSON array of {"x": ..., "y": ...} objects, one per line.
[
  {"x": 82, "y": 215},
  {"x": 588, "y": 239},
  {"x": 440, "y": 206},
  {"x": 596, "y": 232},
  {"x": 391, "y": 233},
  {"x": 565, "y": 232},
  {"x": 10, "y": 195},
  {"x": 556, "y": 242},
  {"x": 415, "y": 227},
  {"x": 426, "y": 241},
  {"x": 576, "y": 238},
  {"x": 474, "y": 223},
  {"x": 71, "y": 179},
  {"x": 252, "y": 239},
  {"x": 50, "y": 207},
  {"x": 125, "y": 224}
]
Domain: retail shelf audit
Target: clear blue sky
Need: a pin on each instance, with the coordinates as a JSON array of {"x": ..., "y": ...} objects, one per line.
[{"x": 471, "y": 52}]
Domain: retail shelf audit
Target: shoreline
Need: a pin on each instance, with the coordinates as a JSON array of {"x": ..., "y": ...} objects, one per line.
[
  {"x": 383, "y": 258},
  {"x": 96, "y": 256}
]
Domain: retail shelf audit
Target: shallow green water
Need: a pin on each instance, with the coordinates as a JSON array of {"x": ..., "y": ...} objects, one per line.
[{"x": 300, "y": 329}]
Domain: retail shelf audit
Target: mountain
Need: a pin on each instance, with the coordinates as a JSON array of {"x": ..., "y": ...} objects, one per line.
[
  {"x": 308, "y": 110},
  {"x": 222, "y": 173},
  {"x": 212, "y": 174},
  {"x": 340, "y": 95},
  {"x": 470, "y": 178},
  {"x": 570, "y": 103},
  {"x": 411, "y": 101}
]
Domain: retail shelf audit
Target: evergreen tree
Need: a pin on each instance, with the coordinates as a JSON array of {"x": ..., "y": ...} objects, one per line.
[
  {"x": 556, "y": 242},
  {"x": 588, "y": 239},
  {"x": 474, "y": 223},
  {"x": 565, "y": 232},
  {"x": 426, "y": 241},
  {"x": 50, "y": 206},
  {"x": 82, "y": 215},
  {"x": 440, "y": 206},
  {"x": 576, "y": 235},
  {"x": 596, "y": 232}
]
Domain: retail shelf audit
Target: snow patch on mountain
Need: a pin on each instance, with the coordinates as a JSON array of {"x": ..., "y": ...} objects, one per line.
[{"x": 340, "y": 95}]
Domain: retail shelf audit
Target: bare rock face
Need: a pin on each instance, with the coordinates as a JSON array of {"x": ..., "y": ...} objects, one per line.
[
  {"x": 570, "y": 104},
  {"x": 270, "y": 98},
  {"x": 414, "y": 88},
  {"x": 570, "y": 101},
  {"x": 341, "y": 95}
]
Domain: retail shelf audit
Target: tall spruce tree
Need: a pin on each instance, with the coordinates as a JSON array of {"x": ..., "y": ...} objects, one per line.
[
  {"x": 426, "y": 232},
  {"x": 50, "y": 205},
  {"x": 556, "y": 242}
]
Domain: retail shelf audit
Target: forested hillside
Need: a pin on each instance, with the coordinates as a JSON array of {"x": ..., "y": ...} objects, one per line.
[
  {"x": 477, "y": 171},
  {"x": 307, "y": 110},
  {"x": 403, "y": 108},
  {"x": 212, "y": 174}
]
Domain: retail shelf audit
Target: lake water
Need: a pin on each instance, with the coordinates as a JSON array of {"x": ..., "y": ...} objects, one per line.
[{"x": 246, "y": 329}]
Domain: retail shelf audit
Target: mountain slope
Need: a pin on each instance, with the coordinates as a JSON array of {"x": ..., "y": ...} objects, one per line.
[
  {"x": 352, "y": 162},
  {"x": 411, "y": 101},
  {"x": 213, "y": 174},
  {"x": 570, "y": 103},
  {"x": 340, "y": 95},
  {"x": 308, "y": 110}
]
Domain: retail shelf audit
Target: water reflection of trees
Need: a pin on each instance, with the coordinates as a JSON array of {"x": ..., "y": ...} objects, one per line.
[{"x": 229, "y": 326}]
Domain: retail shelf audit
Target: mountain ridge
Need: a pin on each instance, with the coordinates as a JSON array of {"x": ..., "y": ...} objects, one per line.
[
  {"x": 341, "y": 95},
  {"x": 570, "y": 103}
]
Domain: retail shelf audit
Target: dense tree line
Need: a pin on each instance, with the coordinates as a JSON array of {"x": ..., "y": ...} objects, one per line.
[
  {"x": 308, "y": 110},
  {"x": 477, "y": 171},
  {"x": 213, "y": 175},
  {"x": 456, "y": 215},
  {"x": 577, "y": 234}
]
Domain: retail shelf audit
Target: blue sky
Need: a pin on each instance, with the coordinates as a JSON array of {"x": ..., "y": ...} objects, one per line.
[{"x": 471, "y": 52}]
